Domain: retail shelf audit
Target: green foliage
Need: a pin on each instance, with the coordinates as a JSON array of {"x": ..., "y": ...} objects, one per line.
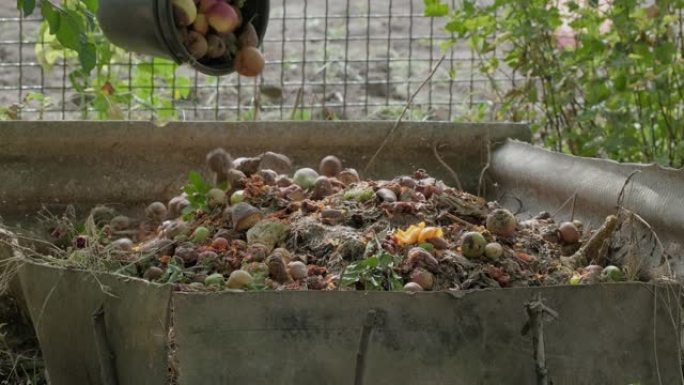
[
  {"x": 436, "y": 8},
  {"x": 258, "y": 282},
  {"x": 174, "y": 272},
  {"x": 26, "y": 6},
  {"x": 70, "y": 32},
  {"x": 196, "y": 189},
  {"x": 373, "y": 273},
  {"x": 616, "y": 93}
]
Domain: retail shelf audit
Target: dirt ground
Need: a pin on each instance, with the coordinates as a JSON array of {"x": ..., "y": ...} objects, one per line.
[{"x": 360, "y": 58}]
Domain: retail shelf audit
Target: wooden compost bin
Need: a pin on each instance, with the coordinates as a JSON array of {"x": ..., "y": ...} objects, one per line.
[{"x": 91, "y": 323}]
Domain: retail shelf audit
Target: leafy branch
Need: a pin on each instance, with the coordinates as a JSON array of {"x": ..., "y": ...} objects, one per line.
[
  {"x": 73, "y": 24},
  {"x": 591, "y": 80},
  {"x": 70, "y": 31}
]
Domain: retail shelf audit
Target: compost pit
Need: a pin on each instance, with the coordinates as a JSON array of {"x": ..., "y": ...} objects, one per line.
[{"x": 259, "y": 224}]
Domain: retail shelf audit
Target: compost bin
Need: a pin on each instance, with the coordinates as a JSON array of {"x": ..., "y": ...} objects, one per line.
[{"x": 97, "y": 328}]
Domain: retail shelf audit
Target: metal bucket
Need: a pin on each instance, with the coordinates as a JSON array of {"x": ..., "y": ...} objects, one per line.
[
  {"x": 94, "y": 327},
  {"x": 147, "y": 27}
]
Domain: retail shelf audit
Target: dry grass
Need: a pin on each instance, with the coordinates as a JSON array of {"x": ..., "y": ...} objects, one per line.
[{"x": 20, "y": 357}]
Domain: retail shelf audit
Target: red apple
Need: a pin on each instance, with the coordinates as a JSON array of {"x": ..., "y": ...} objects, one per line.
[
  {"x": 249, "y": 62},
  {"x": 223, "y": 18}
]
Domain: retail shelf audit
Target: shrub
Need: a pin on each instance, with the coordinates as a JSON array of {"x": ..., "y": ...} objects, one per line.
[{"x": 594, "y": 81}]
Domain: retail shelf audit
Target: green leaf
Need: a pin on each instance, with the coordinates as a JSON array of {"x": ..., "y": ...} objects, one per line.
[
  {"x": 145, "y": 68},
  {"x": 427, "y": 246},
  {"x": 435, "y": 8},
  {"x": 620, "y": 82},
  {"x": 92, "y": 5},
  {"x": 375, "y": 284},
  {"x": 572, "y": 6},
  {"x": 532, "y": 93},
  {"x": 187, "y": 210},
  {"x": 100, "y": 103},
  {"x": 196, "y": 180},
  {"x": 105, "y": 54},
  {"x": 370, "y": 263},
  {"x": 395, "y": 282},
  {"x": 51, "y": 14},
  {"x": 71, "y": 29},
  {"x": 385, "y": 260},
  {"x": 665, "y": 52},
  {"x": 26, "y": 6},
  {"x": 183, "y": 87},
  {"x": 78, "y": 81},
  {"x": 68, "y": 27},
  {"x": 35, "y": 96},
  {"x": 456, "y": 26},
  {"x": 163, "y": 68},
  {"x": 87, "y": 56},
  {"x": 351, "y": 275}
]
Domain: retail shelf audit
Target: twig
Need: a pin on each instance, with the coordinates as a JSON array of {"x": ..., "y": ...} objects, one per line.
[
  {"x": 648, "y": 226},
  {"x": 655, "y": 337},
  {"x": 521, "y": 206},
  {"x": 480, "y": 182},
  {"x": 103, "y": 288},
  {"x": 298, "y": 101},
  {"x": 144, "y": 258},
  {"x": 403, "y": 112},
  {"x": 536, "y": 310},
  {"x": 459, "y": 220},
  {"x": 257, "y": 99},
  {"x": 445, "y": 165},
  {"x": 368, "y": 324},
  {"x": 655, "y": 236},
  {"x": 572, "y": 212},
  {"x": 339, "y": 283},
  {"x": 591, "y": 249},
  {"x": 621, "y": 196},
  {"x": 45, "y": 303},
  {"x": 572, "y": 198},
  {"x": 29, "y": 250},
  {"x": 638, "y": 217}
]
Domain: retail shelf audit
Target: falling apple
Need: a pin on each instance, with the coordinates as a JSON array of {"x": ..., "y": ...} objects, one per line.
[{"x": 249, "y": 62}]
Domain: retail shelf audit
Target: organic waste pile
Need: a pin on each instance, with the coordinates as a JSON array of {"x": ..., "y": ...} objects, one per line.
[
  {"x": 258, "y": 224},
  {"x": 215, "y": 32}
]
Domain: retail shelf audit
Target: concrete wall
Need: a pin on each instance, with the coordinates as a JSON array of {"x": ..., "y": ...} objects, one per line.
[{"x": 133, "y": 163}]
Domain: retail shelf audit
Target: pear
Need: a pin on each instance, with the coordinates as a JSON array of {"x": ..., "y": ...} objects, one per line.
[{"x": 248, "y": 37}]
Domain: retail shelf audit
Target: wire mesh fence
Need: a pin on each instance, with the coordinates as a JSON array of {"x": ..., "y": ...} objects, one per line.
[{"x": 326, "y": 59}]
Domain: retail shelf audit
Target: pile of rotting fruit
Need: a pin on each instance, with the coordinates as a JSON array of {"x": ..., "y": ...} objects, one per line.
[{"x": 261, "y": 225}]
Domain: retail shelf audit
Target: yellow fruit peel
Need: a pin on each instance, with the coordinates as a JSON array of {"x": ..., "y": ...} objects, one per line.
[{"x": 419, "y": 233}]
